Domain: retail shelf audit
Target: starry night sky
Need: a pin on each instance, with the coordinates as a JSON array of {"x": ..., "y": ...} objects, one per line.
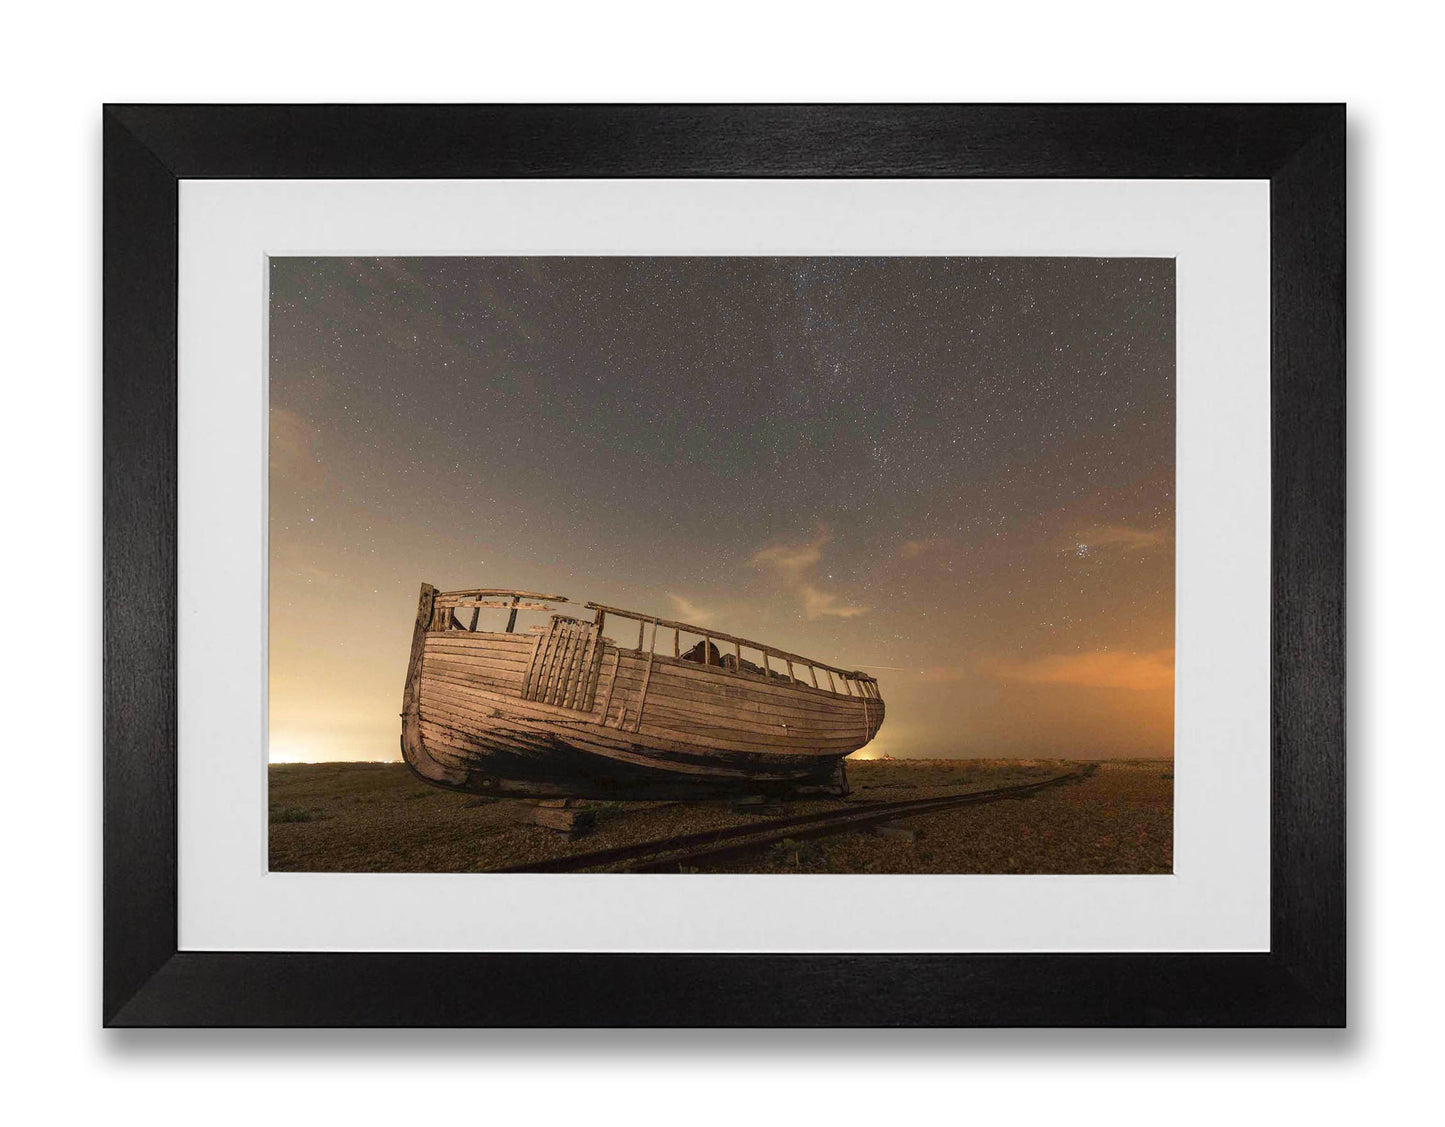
[{"x": 954, "y": 473}]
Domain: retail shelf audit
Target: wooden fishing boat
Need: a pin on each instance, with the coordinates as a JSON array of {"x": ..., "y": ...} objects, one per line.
[{"x": 560, "y": 710}]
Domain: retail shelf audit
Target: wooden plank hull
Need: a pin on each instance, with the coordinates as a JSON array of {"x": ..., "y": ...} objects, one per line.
[{"x": 569, "y": 713}]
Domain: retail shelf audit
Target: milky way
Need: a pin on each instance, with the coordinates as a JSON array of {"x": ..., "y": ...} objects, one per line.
[{"x": 955, "y": 473}]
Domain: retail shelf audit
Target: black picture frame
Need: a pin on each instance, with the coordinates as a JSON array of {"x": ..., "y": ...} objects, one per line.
[{"x": 149, "y": 149}]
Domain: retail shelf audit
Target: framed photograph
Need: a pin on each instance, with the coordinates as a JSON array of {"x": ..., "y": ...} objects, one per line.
[{"x": 724, "y": 565}]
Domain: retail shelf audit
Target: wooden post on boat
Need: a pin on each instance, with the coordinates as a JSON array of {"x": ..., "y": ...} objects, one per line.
[
  {"x": 599, "y": 650},
  {"x": 411, "y": 697},
  {"x": 647, "y": 676},
  {"x": 611, "y": 684},
  {"x": 511, "y": 618},
  {"x": 413, "y": 749}
]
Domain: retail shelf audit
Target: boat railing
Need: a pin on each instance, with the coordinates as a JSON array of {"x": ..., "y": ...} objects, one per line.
[
  {"x": 447, "y": 604},
  {"x": 855, "y": 682}
]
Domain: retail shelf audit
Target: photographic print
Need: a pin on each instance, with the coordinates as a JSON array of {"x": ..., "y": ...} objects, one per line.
[{"x": 772, "y": 565}]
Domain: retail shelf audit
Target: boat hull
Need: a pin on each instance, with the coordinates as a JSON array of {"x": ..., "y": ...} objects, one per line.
[{"x": 501, "y": 713}]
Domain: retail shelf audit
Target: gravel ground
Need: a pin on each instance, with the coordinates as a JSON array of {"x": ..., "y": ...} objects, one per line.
[
  {"x": 1120, "y": 820},
  {"x": 377, "y": 817}
]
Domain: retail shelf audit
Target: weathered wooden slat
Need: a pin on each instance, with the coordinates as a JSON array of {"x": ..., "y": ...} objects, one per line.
[
  {"x": 716, "y": 769},
  {"x": 587, "y": 684},
  {"x": 507, "y": 686},
  {"x": 542, "y": 663},
  {"x": 569, "y": 675},
  {"x": 451, "y": 645},
  {"x": 556, "y": 647},
  {"x": 611, "y": 683},
  {"x": 720, "y": 764},
  {"x": 442, "y": 646},
  {"x": 647, "y": 677},
  {"x": 484, "y": 592},
  {"x": 759, "y": 737},
  {"x": 424, "y": 614},
  {"x": 550, "y": 643},
  {"x": 529, "y": 681},
  {"x": 752, "y": 719},
  {"x": 571, "y": 654},
  {"x": 751, "y": 703},
  {"x": 481, "y": 640},
  {"x": 495, "y": 707},
  {"x": 512, "y": 671},
  {"x": 499, "y": 604},
  {"x": 741, "y": 700},
  {"x": 590, "y": 699},
  {"x": 562, "y": 643},
  {"x": 682, "y": 696},
  {"x": 582, "y": 678},
  {"x": 508, "y": 706},
  {"x": 458, "y": 749},
  {"x": 512, "y": 732},
  {"x": 507, "y": 702},
  {"x": 511, "y": 677},
  {"x": 577, "y": 641},
  {"x": 681, "y": 714},
  {"x": 581, "y": 647},
  {"x": 452, "y": 737}
]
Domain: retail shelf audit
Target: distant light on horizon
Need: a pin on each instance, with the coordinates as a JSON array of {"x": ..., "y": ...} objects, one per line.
[{"x": 291, "y": 753}]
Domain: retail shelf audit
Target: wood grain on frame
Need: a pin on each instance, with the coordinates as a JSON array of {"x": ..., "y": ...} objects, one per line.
[{"x": 1299, "y": 148}]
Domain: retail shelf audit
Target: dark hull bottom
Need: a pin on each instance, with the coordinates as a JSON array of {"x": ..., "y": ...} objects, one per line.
[{"x": 565, "y": 772}]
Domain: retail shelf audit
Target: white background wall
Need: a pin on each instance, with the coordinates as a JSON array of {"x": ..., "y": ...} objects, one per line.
[{"x": 61, "y": 63}]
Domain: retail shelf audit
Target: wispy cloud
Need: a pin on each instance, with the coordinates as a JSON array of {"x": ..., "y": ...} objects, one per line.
[
  {"x": 793, "y": 559},
  {"x": 1114, "y": 536},
  {"x": 295, "y": 450},
  {"x": 912, "y": 549},
  {"x": 820, "y": 604},
  {"x": 689, "y": 611},
  {"x": 793, "y": 565},
  {"x": 1099, "y": 669}
]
